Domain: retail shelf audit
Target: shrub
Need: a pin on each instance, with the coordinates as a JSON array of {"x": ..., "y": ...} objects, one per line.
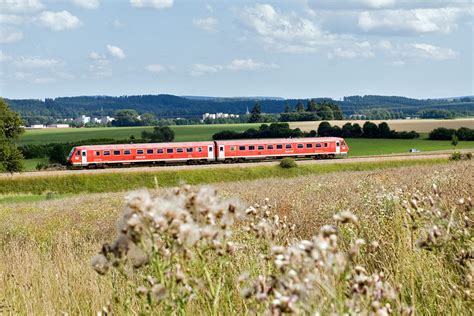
[
  {"x": 288, "y": 163},
  {"x": 457, "y": 156},
  {"x": 41, "y": 165}
]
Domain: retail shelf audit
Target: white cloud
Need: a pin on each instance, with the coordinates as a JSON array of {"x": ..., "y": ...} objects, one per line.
[
  {"x": 378, "y": 3},
  {"x": 10, "y": 35},
  {"x": 234, "y": 65},
  {"x": 116, "y": 52},
  {"x": 249, "y": 65},
  {"x": 20, "y": 6},
  {"x": 414, "y": 51},
  {"x": 32, "y": 78},
  {"x": 287, "y": 33},
  {"x": 209, "y": 8},
  {"x": 58, "y": 21},
  {"x": 207, "y": 24},
  {"x": 202, "y": 69},
  {"x": 36, "y": 62},
  {"x": 155, "y": 4},
  {"x": 96, "y": 56},
  {"x": 87, "y": 4},
  {"x": 156, "y": 68},
  {"x": 440, "y": 20},
  {"x": 427, "y": 51},
  {"x": 11, "y": 19},
  {"x": 355, "y": 50},
  {"x": 4, "y": 57}
]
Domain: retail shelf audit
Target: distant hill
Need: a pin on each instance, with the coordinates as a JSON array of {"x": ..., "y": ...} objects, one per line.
[{"x": 166, "y": 106}]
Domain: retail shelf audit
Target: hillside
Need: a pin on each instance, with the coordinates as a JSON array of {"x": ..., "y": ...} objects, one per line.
[{"x": 164, "y": 105}]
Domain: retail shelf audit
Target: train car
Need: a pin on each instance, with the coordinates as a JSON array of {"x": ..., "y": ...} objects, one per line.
[
  {"x": 205, "y": 152},
  {"x": 249, "y": 149},
  {"x": 152, "y": 153}
]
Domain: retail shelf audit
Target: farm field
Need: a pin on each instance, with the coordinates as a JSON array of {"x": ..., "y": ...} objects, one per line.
[
  {"x": 205, "y": 132},
  {"x": 47, "y": 248},
  {"x": 420, "y": 125}
]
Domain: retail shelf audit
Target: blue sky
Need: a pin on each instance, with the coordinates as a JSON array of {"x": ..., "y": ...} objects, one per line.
[{"x": 292, "y": 49}]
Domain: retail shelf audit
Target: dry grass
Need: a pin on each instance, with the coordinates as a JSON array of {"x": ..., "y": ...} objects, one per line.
[
  {"x": 46, "y": 246},
  {"x": 420, "y": 126}
]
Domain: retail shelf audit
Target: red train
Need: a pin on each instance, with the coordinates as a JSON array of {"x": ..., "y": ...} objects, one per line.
[{"x": 206, "y": 152}]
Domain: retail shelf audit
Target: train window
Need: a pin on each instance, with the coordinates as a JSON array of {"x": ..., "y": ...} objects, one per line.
[
  {"x": 241, "y": 147},
  {"x": 169, "y": 150},
  {"x": 309, "y": 145},
  {"x": 288, "y": 146},
  {"x": 326, "y": 144},
  {"x": 300, "y": 145},
  {"x": 279, "y": 146},
  {"x": 179, "y": 150},
  {"x": 126, "y": 152},
  {"x": 84, "y": 153},
  {"x": 260, "y": 147},
  {"x": 106, "y": 153},
  {"x": 232, "y": 148},
  {"x": 270, "y": 147},
  {"x": 210, "y": 149},
  {"x": 139, "y": 151},
  {"x": 199, "y": 149},
  {"x": 116, "y": 152},
  {"x": 318, "y": 145},
  {"x": 160, "y": 151},
  {"x": 251, "y": 147},
  {"x": 78, "y": 152},
  {"x": 149, "y": 151},
  {"x": 97, "y": 153},
  {"x": 189, "y": 150}
]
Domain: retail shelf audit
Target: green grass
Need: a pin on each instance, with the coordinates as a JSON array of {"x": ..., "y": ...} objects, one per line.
[
  {"x": 182, "y": 133},
  {"x": 370, "y": 147},
  {"x": 115, "y": 182},
  {"x": 30, "y": 164},
  {"x": 26, "y": 198}
]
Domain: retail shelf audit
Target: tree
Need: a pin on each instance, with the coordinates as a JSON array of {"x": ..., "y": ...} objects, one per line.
[
  {"x": 347, "y": 130},
  {"x": 312, "y": 106},
  {"x": 58, "y": 154},
  {"x": 384, "y": 130},
  {"x": 442, "y": 133},
  {"x": 370, "y": 130},
  {"x": 325, "y": 112},
  {"x": 454, "y": 141},
  {"x": 324, "y": 129},
  {"x": 126, "y": 118},
  {"x": 148, "y": 119},
  {"x": 11, "y": 158},
  {"x": 299, "y": 107},
  {"x": 287, "y": 108},
  {"x": 256, "y": 113},
  {"x": 356, "y": 130},
  {"x": 160, "y": 134}
]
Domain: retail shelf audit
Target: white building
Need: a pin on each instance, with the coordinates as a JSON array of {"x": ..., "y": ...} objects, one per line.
[
  {"x": 58, "y": 126},
  {"x": 83, "y": 119},
  {"x": 106, "y": 119},
  {"x": 213, "y": 116},
  {"x": 37, "y": 126}
]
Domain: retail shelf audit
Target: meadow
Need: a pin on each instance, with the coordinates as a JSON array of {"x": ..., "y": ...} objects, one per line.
[{"x": 388, "y": 258}]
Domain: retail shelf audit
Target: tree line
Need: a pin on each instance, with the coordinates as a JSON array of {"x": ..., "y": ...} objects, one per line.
[{"x": 462, "y": 133}]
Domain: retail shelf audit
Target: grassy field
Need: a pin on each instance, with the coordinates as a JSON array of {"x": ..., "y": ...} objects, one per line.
[
  {"x": 182, "y": 133},
  {"x": 47, "y": 246},
  {"x": 115, "y": 182}
]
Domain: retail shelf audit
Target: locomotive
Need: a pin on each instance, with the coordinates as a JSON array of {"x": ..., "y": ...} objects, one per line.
[{"x": 96, "y": 156}]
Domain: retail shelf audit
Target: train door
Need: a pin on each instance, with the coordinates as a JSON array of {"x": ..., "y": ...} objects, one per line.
[
  {"x": 338, "y": 147},
  {"x": 84, "y": 157},
  {"x": 210, "y": 152},
  {"x": 221, "y": 154}
]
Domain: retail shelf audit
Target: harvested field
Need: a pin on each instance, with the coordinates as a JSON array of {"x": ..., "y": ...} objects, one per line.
[
  {"x": 47, "y": 246},
  {"x": 420, "y": 126}
]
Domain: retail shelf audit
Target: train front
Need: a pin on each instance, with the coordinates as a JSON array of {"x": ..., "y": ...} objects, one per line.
[
  {"x": 74, "y": 157},
  {"x": 344, "y": 147}
]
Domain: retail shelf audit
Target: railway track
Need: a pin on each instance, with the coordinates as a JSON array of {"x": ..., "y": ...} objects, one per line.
[{"x": 393, "y": 157}]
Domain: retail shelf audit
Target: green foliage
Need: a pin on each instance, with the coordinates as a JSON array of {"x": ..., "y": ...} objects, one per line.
[
  {"x": 454, "y": 140},
  {"x": 256, "y": 113},
  {"x": 58, "y": 154},
  {"x": 325, "y": 110},
  {"x": 274, "y": 130},
  {"x": 42, "y": 165},
  {"x": 288, "y": 163},
  {"x": 159, "y": 134},
  {"x": 457, "y": 156},
  {"x": 126, "y": 118},
  {"x": 122, "y": 181},
  {"x": 11, "y": 159},
  {"x": 441, "y": 133}
]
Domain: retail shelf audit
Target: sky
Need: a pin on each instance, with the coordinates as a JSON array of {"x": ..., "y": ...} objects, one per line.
[{"x": 290, "y": 49}]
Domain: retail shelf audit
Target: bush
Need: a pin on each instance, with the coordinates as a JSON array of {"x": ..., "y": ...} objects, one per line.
[
  {"x": 458, "y": 156},
  {"x": 288, "y": 163},
  {"x": 41, "y": 165}
]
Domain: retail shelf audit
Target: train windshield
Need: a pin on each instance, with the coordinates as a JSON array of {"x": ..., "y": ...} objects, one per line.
[{"x": 71, "y": 152}]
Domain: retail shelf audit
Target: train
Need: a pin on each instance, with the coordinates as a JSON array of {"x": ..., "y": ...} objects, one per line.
[{"x": 99, "y": 156}]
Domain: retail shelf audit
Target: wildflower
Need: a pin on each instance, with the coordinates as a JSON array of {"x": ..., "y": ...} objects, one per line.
[{"x": 346, "y": 217}]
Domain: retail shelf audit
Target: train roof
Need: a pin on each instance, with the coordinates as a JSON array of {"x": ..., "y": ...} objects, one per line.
[
  {"x": 279, "y": 140},
  {"x": 145, "y": 145}
]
